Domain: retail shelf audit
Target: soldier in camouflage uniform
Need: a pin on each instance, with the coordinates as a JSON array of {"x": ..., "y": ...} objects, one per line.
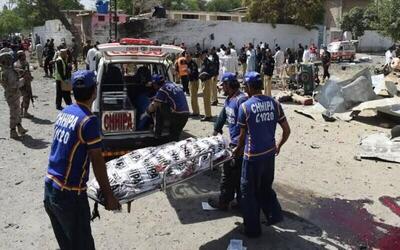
[
  {"x": 11, "y": 83},
  {"x": 22, "y": 67}
]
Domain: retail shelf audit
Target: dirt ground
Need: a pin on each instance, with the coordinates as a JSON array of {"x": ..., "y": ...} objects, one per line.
[{"x": 331, "y": 200}]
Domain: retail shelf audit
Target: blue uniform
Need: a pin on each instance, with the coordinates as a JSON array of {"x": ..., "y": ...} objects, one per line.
[
  {"x": 173, "y": 95},
  {"x": 259, "y": 115},
  {"x": 76, "y": 131},
  {"x": 231, "y": 108}
]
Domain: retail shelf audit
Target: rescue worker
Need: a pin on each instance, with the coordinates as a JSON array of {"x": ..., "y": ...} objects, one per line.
[
  {"x": 50, "y": 52},
  {"x": 205, "y": 77},
  {"x": 230, "y": 177},
  {"x": 326, "y": 62},
  {"x": 22, "y": 67},
  {"x": 268, "y": 65},
  {"x": 63, "y": 87},
  {"x": 169, "y": 103},
  {"x": 181, "y": 68},
  {"x": 11, "y": 83},
  {"x": 77, "y": 136},
  {"x": 258, "y": 117},
  {"x": 193, "y": 84},
  {"x": 215, "y": 63}
]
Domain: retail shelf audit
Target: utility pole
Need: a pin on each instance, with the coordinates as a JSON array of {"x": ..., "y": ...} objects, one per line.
[
  {"x": 116, "y": 19},
  {"x": 110, "y": 19}
]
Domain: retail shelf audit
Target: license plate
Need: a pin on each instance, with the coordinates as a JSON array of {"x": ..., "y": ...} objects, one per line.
[{"x": 118, "y": 121}]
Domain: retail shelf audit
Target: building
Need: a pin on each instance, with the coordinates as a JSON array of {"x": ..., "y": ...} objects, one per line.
[
  {"x": 205, "y": 16},
  {"x": 95, "y": 26}
]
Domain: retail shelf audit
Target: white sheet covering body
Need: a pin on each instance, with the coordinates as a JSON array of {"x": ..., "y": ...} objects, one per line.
[{"x": 141, "y": 170}]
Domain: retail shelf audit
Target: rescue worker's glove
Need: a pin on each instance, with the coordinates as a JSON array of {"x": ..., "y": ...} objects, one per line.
[{"x": 145, "y": 115}]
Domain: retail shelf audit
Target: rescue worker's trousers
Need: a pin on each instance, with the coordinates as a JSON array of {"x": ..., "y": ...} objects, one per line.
[
  {"x": 214, "y": 89},
  {"x": 48, "y": 67},
  {"x": 194, "y": 89},
  {"x": 207, "y": 85},
  {"x": 60, "y": 94},
  {"x": 69, "y": 214},
  {"x": 267, "y": 85},
  {"x": 326, "y": 71},
  {"x": 257, "y": 193},
  {"x": 26, "y": 92},
  {"x": 230, "y": 181},
  {"x": 177, "y": 122},
  {"x": 14, "y": 103},
  {"x": 244, "y": 68},
  {"x": 185, "y": 83}
]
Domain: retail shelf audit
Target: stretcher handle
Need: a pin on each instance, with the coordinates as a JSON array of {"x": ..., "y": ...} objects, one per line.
[{"x": 164, "y": 176}]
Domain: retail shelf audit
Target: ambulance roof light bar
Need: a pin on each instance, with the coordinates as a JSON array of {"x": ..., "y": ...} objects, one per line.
[{"x": 136, "y": 41}]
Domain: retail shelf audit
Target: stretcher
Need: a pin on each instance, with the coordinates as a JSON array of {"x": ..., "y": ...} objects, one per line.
[{"x": 166, "y": 181}]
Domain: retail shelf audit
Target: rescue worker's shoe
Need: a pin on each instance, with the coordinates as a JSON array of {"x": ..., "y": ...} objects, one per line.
[
  {"x": 14, "y": 134},
  {"x": 206, "y": 119},
  {"x": 21, "y": 130},
  {"x": 218, "y": 205},
  {"x": 26, "y": 114},
  {"x": 273, "y": 221}
]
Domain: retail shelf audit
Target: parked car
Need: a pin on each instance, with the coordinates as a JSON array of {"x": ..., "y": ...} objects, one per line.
[
  {"x": 124, "y": 84},
  {"x": 342, "y": 50}
]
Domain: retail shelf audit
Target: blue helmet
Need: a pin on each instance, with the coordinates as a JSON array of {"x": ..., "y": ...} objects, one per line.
[
  {"x": 253, "y": 79},
  {"x": 157, "y": 79},
  {"x": 83, "y": 79},
  {"x": 230, "y": 79}
]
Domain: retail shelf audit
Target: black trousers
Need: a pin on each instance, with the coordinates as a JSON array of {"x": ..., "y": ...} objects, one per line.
[
  {"x": 258, "y": 194},
  {"x": 60, "y": 94},
  {"x": 48, "y": 67},
  {"x": 69, "y": 214},
  {"x": 230, "y": 181},
  {"x": 326, "y": 72},
  {"x": 185, "y": 83},
  {"x": 177, "y": 122}
]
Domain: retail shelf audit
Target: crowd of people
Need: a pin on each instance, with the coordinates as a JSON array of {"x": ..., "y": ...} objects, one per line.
[{"x": 208, "y": 66}]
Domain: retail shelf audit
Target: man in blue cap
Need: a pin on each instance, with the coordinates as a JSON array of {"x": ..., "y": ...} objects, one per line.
[
  {"x": 169, "y": 103},
  {"x": 76, "y": 143},
  {"x": 258, "y": 117},
  {"x": 230, "y": 177}
]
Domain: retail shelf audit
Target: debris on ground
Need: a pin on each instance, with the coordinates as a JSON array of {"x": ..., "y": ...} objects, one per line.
[{"x": 380, "y": 146}]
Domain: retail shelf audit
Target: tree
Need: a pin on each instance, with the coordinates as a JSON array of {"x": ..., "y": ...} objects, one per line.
[
  {"x": 10, "y": 22},
  {"x": 182, "y": 4},
  {"x": 223, "y": 5},
  {"x": 387, "y": 20},
  {"x": 355, "y": 21},
  {"x": 306, "y": 13}
]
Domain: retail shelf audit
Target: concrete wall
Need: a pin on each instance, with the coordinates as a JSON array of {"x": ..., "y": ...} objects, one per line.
[
  {"x": 372, "y": 41},
  {"x": 53, "y": 29},
  {"x": 194, "y": 31}
]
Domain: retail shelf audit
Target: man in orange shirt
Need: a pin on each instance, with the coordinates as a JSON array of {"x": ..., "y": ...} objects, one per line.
[{"x": 181, "y": 68}]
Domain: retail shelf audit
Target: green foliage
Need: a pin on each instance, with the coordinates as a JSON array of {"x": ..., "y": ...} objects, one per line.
[
  {"x": 223, "y": 5},
  {"x": 387, "y": 20},
  {"x": 300, "y": 12},
  {"x": 182, "y": 4},
  {"x": 10, "y": 22},
  {"x": 355, "y": 21}
]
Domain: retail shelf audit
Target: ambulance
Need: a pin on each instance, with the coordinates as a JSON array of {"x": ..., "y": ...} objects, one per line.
[
  {"x": 124, "y": 88},
  {"x": 342, "y": 50}
]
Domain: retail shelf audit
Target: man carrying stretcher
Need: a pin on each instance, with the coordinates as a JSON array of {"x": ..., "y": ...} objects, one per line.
[{"x": 230, "y": 177}]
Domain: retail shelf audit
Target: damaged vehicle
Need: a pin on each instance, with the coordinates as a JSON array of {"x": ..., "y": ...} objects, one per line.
[{"x": 124, "y": 91}]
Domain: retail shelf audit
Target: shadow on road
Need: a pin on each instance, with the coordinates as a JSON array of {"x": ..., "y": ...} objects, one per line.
[
  {"x": 290, "y": 234},
  {"x": 40, "y": 121},
  {"x": 33, "y": 143}
]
